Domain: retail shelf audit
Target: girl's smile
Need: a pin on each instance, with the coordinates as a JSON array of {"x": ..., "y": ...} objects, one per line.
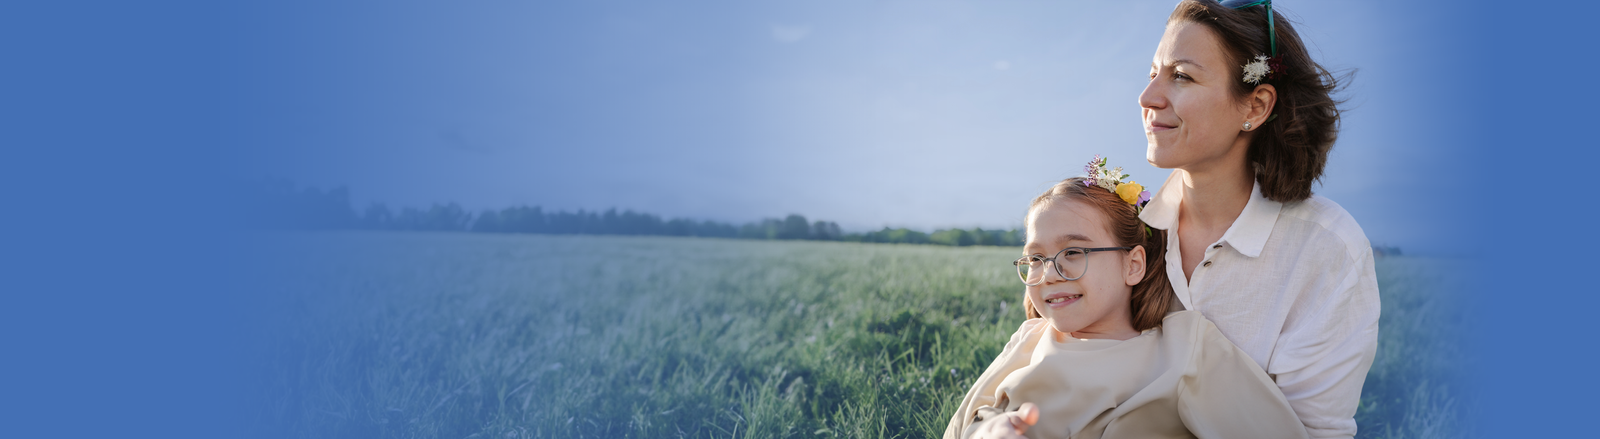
[{"x": 1060, "y": 300}]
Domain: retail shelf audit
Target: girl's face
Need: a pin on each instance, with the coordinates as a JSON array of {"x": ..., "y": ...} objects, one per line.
[
  {"x": 1096, "y": 304},
  {"x": 1191, "y": 116}
]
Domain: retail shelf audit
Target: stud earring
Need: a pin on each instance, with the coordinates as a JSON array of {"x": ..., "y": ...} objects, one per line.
[{"x": 1247, "y": 126}]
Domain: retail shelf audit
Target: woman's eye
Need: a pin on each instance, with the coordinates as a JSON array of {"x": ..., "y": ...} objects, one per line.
[{"x": 1180, "y": 76}]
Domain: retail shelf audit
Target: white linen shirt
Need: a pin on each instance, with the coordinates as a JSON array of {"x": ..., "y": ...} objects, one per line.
[{"x": 1292, "y": 284}]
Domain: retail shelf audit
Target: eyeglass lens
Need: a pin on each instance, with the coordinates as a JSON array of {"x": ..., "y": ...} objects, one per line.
[{"x": 1071, "y": 262}]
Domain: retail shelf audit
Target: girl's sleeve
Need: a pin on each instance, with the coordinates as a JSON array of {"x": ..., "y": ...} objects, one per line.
[
  {"x": 1225, "y": 394},
  {"x": 981, "y": 397}
]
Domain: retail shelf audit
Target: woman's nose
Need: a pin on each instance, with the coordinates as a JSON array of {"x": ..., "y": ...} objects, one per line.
[{"x": 1154, "y": 96}]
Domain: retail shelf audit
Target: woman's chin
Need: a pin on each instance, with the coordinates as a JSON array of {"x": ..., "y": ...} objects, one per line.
[{"x": 1156, "y": 158}]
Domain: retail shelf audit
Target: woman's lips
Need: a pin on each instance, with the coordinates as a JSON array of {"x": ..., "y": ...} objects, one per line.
[
  {"x": 1060, "y": 300},
  {"x": 1156, "y": 127}
]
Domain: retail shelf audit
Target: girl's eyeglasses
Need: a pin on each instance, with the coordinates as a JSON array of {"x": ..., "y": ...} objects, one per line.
[{"x": 1071, "y": 263}]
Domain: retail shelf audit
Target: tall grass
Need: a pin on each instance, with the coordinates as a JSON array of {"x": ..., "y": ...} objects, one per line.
[{"x": 512, "y": 336}]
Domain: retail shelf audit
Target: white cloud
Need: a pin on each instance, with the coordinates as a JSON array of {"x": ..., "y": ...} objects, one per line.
[{"x": 789, "y": 34}]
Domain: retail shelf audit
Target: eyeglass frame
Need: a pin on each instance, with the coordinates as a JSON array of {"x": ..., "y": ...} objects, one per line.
[{"x": 1057, "y": 266}]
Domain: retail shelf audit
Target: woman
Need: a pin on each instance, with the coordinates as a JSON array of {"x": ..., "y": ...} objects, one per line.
[
  {"x": 1238, "y": 108},
  {"x": 1100, "y": 356}
]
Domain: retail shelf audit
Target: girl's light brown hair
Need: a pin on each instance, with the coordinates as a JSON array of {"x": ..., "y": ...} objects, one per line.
[
  {"x": 1290, "y": 151},
  {"x": 1152, "y": 296}
]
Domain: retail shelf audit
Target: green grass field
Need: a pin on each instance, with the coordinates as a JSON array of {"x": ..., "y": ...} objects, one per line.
[{"x": 532, "y": 336}]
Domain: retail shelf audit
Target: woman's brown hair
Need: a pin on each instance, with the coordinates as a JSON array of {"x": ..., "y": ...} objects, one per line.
[
  {"x": 1153, "y": 295},
  {"x": 1289, "y": 151}
]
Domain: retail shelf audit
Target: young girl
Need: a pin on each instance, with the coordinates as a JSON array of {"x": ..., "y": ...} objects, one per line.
[{"x": 1100, "y": 355}]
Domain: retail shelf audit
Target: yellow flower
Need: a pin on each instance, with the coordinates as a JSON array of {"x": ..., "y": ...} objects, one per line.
[{"x": 1129, "y": 192}]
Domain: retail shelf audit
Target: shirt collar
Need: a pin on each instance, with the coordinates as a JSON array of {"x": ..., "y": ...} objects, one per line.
[
  {"x": 1249, "y": 232},
  {"x": 1162, "y": 210}
]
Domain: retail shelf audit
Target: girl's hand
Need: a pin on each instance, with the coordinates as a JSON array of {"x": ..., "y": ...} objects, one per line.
[{"x": 1009, "y": 425}]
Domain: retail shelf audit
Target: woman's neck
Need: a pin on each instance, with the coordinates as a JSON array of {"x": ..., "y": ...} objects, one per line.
[
  {"x": 1214, "y": 197},
  {"x": 1214, "y": 194}
]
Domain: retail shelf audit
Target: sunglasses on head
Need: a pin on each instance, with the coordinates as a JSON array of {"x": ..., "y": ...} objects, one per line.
[{"x": 1272, "y": 31}]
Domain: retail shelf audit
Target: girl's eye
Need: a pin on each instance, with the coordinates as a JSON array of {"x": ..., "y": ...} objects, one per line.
[{"x": 1180, "y": 76}]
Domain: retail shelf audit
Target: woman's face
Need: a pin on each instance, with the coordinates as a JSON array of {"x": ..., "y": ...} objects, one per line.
[
  {"x": 1191, "y": 116},
  {"x": 1097, "y": 302}
]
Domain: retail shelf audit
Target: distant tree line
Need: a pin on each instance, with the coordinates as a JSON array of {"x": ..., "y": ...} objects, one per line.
[{"x": 282, "y": 206}]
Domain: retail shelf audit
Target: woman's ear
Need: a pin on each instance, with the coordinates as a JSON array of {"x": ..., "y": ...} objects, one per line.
[
  {"x": 1261, "y": 101},
  {"x": 1135, "y": 266}
]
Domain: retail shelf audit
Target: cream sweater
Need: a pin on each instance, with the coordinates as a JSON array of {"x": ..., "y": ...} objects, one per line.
[{"x": 1178, "y": 381}]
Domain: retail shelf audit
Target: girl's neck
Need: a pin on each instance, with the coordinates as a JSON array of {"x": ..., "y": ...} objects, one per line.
[
  {"x": 1121, "y": 330},
  {"x": 1118, "y": 335}
]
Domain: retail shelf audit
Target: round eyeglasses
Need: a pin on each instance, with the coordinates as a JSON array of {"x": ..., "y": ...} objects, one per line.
[{"x": 1071, "y": 263}]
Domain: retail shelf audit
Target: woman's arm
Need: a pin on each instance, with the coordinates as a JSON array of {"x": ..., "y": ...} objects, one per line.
[
  {"x": 1225, "y": 394},
  {"x": 1323, "y": 355}
]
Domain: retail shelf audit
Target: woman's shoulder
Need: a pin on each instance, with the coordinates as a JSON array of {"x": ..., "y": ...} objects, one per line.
[{"x": 1329, "y": 221}]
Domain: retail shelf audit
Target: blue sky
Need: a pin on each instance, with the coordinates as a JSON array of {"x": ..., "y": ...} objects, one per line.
[{"x": 922, "y": 114}]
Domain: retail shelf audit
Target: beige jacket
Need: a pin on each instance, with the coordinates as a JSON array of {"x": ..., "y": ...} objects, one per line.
[{"x": 1179, "y": 381}]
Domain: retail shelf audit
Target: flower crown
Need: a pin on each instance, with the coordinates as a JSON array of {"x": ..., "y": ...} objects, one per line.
[{"x": 1111, "y": 180}]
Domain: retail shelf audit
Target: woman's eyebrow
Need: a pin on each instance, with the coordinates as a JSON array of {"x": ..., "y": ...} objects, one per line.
[{"x": 1176, "y": 62}]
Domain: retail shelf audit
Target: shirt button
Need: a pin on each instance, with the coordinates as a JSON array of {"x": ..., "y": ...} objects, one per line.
[
  {"x": 1217, "y": 246},
  {"x": 1207, "y": 264}
]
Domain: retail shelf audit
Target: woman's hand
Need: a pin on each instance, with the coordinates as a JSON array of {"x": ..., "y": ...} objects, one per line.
[{"x": 1009, "y": 425}]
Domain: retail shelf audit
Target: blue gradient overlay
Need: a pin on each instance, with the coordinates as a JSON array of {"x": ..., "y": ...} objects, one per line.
[{"x": 127, "y": 307}]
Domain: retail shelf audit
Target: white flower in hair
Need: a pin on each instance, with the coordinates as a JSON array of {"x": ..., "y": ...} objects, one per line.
[
  {"x": 1257, "y": 70},
  {"x": 1106, "y": 183}
]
